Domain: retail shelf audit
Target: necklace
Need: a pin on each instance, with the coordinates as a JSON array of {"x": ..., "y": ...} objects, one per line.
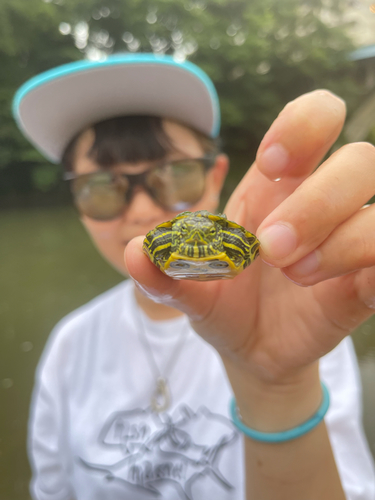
[{"x": 161, "y": 398}]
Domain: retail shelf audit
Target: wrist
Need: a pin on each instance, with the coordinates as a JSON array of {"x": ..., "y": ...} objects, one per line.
[{"x": 278, "y": 405}]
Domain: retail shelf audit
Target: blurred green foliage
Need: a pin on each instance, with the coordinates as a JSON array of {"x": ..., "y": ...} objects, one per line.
[{"x": 260, "y": 55}]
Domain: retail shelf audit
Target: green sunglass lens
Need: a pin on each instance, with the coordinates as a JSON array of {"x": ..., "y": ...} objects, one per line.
[
  {"x": 98, "y": 195},
  {"x": 178, "y": 185}
]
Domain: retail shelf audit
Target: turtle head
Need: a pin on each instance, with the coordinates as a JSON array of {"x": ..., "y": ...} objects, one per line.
[{"x": 196, "y": 237}]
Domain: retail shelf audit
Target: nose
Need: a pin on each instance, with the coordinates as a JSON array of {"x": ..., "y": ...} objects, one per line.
[
  {"x": 142, "y": 209},
  {"x": 196, "y": 237}
]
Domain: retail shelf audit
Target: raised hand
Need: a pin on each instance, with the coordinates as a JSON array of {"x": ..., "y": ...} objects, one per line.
[{"x": 319, "y": 233}]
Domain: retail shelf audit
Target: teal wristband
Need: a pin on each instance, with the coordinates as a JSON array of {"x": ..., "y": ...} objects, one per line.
[{"x": 288, "y": 435}]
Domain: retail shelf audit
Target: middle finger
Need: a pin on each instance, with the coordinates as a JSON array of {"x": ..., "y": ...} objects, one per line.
[
  {"x": 338, "y": 189},
  {"x": 348, "y": 248}
]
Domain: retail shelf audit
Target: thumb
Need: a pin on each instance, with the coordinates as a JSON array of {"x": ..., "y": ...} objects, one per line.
[{"x": 187, "y": 296}]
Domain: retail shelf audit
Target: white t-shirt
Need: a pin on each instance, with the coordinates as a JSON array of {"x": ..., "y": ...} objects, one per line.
[{"x": 93, "y": 436}]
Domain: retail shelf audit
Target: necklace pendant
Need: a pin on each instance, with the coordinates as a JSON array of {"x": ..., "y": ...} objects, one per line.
[{"x": 161, "y": 400}]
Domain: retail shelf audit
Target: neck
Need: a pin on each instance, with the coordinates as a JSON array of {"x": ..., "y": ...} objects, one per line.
[{"x": 154, "y": 310}]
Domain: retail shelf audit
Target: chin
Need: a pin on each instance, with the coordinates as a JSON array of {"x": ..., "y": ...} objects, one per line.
[
  {"x": 117, "y": 265},
  {"x": 122, "y": 270}
]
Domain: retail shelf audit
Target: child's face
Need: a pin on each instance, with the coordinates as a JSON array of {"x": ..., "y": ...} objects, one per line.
[{"x": 142, "y": 214}]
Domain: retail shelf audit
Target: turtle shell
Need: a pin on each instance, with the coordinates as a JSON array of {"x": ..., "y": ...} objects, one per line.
[{"x": 201, "y": 246}]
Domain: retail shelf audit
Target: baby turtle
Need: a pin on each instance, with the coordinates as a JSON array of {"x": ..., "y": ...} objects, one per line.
[{"x": 201, "y": 246}]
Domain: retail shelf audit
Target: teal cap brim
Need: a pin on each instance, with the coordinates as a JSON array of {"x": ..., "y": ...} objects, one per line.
[{"x": 51, "y": 108}]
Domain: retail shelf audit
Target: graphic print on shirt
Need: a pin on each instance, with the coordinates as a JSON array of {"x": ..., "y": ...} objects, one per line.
[{"x": 155, "y": 450}]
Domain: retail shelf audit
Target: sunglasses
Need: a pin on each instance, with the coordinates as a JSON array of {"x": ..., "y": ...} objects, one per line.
[{"x": 174, "y": 185}]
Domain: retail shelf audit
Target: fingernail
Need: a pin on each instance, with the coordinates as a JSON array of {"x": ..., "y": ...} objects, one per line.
[
  {"x": 274, "y": 160},
  {"x": 292, "y": 280},
  {"x": 278, "y": 241},
  {"x": 306, "y": 266},
  {"x": 150, "y": 293}
]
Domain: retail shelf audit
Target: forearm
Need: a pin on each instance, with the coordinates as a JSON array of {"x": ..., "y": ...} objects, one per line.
[{"x": 300, "y": 469}]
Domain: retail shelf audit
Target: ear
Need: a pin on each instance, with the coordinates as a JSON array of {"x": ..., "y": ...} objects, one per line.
[{"x": 218, "y": 173}]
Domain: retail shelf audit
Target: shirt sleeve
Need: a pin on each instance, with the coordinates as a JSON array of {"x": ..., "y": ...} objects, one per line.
[
  {"x": 340, "y": 372},
  {"x": 46, "y": 434}
]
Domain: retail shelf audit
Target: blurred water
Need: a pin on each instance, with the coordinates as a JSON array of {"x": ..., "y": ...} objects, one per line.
[{"x": 48, "y": 268}]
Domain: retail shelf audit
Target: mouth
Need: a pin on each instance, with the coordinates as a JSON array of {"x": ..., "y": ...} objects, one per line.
[
  {"x": 191, "y": 249},
  {"x": 128, "y": 240}
]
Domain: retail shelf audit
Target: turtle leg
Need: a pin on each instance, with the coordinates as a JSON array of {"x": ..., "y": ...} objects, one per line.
[
  {"x": 254, "y": 247},
  {"x": 157, "y": 245},
  {"x": 236, "y": 246}
]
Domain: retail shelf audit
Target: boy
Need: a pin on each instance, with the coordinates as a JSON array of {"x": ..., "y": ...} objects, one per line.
[{"x": 130, "y": 402}]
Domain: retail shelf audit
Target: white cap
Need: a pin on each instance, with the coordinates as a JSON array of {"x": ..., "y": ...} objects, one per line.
[{"x": 51, "y": 108}]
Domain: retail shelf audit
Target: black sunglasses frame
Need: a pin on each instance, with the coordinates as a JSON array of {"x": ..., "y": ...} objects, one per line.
[{"x": 140, "y": 179}]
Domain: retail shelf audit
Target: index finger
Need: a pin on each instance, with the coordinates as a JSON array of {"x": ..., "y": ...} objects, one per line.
[{"x": 305, "y": 130}]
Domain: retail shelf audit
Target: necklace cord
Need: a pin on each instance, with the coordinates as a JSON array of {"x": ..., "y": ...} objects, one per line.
[{"x": 148, "y": 349}]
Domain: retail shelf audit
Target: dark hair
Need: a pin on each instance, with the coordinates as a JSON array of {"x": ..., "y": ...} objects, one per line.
[{"x": 130, "y": 139}]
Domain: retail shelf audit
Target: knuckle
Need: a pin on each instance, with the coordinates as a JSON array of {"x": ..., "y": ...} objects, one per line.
[
  {"x": 360, "y": 249},
  {"x": 366, "y": 249},
  {"x": 320, "y": 199}
]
